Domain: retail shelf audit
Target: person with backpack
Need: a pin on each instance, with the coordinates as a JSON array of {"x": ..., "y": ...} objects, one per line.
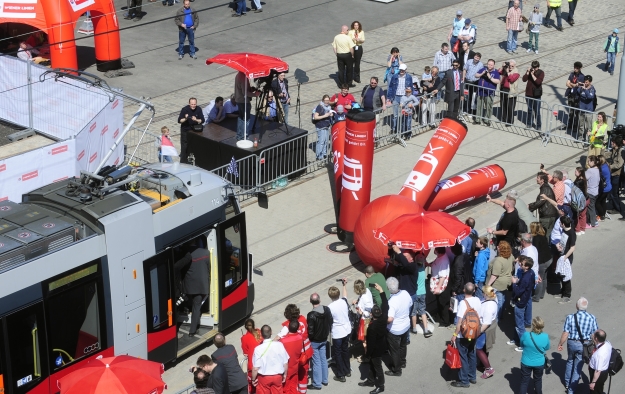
[
  {"x": 322, "y": 119},
  {"x": 611, "y": 48},
  {"x": 319, "y": 322},
  {"x": 547, "y": 213},
  {"x": 522, "y": 288},
  {"x": 599, "y": 362},
  {"x": 486, "y": 340},
  {"x": 466, "y": 334},
  {"x": 535, "y": 344}
]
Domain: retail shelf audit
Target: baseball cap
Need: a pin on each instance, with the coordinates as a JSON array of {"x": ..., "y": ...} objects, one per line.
[
  {"x": 615, "y": 31},
  {"x": 459, "y": 12},
  {"x": 467, "y": 21},
  {"x": 403, "y": 66}
]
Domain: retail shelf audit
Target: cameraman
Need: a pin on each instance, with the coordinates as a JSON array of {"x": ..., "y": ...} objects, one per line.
[
  {"x": 508, "y": 91},
  {"x": 575, "y": 80}
]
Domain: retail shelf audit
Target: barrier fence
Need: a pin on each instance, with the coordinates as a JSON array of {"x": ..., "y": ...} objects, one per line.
[{"x": 275, "y": 167}]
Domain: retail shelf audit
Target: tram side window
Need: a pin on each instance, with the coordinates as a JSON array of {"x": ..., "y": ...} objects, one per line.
[
  {"x": 233, "y": 270},
  {"x": 73, "y": 324},
  {"x": 26, "y": 346}
]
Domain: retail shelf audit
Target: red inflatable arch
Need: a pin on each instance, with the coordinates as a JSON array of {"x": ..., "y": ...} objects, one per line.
[{"x": 57, "y": 18}]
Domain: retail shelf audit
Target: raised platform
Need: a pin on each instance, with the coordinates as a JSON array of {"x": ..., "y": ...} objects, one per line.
[{"x": 216, "y": 145}]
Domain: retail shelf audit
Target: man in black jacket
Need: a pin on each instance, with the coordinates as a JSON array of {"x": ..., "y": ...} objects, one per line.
[
  {"x": 280, "y": 87},
  {"x": 376, "y": 345},
  {"x": 456, "y": 274},
  {"x": 319, "y": 325},
  {"x": 194, "y": 269},
  {"x": 548, "y": 213},
  {"x": 218, "y": 377},
  {"x": 226, "y": 355},
  {"x": 190, "y": 118}
]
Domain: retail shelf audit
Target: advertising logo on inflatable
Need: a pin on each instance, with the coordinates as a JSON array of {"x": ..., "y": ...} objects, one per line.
[
  {"x": 78, "y": 5},
  {"x": 23, "y": 9}
]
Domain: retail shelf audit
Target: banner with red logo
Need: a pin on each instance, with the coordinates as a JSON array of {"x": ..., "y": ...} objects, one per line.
[
  {"x": 28, "y": 171},
  {"x": 434, "y": 161},
  {"x": 357, "y": 168}
]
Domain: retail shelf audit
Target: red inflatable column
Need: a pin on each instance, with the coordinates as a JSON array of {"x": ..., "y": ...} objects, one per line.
[
  {"x": 459, "y": 189},
  {"x": 108, "y": 54},
  {"x": 338, "y": 145},
  {"x": 60, "y": 33},
  {"x": 357, "y": 169},
  {"x": 434, "y": 161}
]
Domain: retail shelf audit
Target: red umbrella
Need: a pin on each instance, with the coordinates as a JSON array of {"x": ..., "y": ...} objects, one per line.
[
  {"x": 115, "y": 375},
  {"x": 425, "y": 230},
  {"x": 254, "y": 65}
]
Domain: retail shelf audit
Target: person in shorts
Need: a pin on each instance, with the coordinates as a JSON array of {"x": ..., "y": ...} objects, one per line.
[{"x": 418, "y": 304}]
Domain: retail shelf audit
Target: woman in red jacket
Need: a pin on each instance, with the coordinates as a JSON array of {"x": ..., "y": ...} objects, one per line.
[{"x": 249, "y": 341}]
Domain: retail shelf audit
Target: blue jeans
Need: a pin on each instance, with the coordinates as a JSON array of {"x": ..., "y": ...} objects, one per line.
[
  {"x": 527, "y": 320},
  {"x": 241, "y": 7},
  {"x": 322, "y": 142},
  {"x": 572, "y": 6},
  {"x": 468, "y": 370},
  {"x": 519, "y": 324},
  {"x": 501, "y": 299},
  {"x": 478, "y": 290},
  {"x": 245, "y": 110},
  {"x": 574, "y": 364},
  {"x": 611, "y": 59},
  {"x": 407, "y": 126},
  {"x": 340, "y": 353},
  {"x": 533, "y": 108},
  {"x": 319, "y": 364},
  {"x": 558, "y": 11},
  {"x": 182, "y": 35},
  {"x": 512, "y": 40},
  {"x": 396, "y": 112},
  {"x": 525, "y": 378}
]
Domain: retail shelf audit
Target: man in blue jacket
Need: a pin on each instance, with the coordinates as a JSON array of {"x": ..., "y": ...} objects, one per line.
[
  {"x": 522, "y": 288},
  {"x": 396, "y": 89},
  {"x": 587, "y": 97}
]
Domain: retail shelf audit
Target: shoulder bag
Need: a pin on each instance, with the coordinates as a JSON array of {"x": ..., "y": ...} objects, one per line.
[
  {"x": 588, "y": 346},
  {"x": 547, "y": 365}
]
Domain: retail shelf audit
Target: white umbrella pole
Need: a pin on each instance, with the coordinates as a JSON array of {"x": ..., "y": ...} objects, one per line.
[{"x": 245, "y": 143}]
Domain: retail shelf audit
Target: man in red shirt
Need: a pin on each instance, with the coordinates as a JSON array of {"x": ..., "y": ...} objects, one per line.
[
  {"x": 294, "y": 345},
  {"x": 344, "y": 98}
]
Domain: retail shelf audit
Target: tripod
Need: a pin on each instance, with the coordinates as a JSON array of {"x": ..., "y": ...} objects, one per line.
[{"x": 262, "y": 105}]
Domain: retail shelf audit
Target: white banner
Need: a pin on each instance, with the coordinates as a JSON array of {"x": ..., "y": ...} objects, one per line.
[{"x": 23, "y": 173}]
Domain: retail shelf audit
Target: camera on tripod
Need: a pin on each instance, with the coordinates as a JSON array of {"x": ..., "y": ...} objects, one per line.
[{"x": 617, "y": 133}]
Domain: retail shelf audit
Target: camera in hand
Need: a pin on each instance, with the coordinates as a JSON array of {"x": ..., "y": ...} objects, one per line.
[
  {"x": 183, "y": 298},
  {"x": 505, "y": 68},
  {"x": 372, "y": 285}
]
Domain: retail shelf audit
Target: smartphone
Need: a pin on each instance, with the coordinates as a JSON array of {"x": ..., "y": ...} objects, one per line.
[{"x": 372, "y": 285}]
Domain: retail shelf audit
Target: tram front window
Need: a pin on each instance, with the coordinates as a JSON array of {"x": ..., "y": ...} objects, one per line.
[
  {"x": 233, "y": 270},
  {"x": 73, "y": 324}
]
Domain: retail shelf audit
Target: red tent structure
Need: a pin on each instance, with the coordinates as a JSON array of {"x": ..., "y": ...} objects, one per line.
[{"x": 57, "y": 18}]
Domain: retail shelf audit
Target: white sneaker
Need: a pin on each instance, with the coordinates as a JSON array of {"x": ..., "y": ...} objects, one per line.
[
  {"x": 511, "y": 343},
  {"x": 518, "y": 349},
  {"x": 529, "y": 50},
  {"x": 536, "y": 51},
  {"x": 578, "y": 233},
  {"x": 583, "y": 232}
]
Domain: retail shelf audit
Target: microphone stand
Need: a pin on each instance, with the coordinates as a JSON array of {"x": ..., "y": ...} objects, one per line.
[{"x": 297, "y": 107}]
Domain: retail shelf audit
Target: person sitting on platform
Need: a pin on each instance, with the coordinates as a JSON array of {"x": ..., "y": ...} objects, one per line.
[
  {"x": 270, "y": 111},
  {"x": 230, "y": 108},
  {"x": 28, "y": 53},
  {"x": 214, "y": 112}
]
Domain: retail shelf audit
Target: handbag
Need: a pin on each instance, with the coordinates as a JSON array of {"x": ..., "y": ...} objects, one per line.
[
  {"x": 588, "y": 346},
  {"x": 361, "y": 330},
  {"x": 547, "y": 361},
  {"x": 452, "y": 357},
  {"x": 198, "y": 127}
]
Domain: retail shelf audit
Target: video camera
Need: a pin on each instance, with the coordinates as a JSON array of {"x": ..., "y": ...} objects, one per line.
[{"x": 617, "y": 133}]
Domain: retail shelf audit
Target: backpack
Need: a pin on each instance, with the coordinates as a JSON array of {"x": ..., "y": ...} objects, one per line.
[
  {"x": 616, "y": 362},
  {"x": 578, "y": 200},
  {"x": 312, "y": 115},
  {"x": 470, "y": 325}
]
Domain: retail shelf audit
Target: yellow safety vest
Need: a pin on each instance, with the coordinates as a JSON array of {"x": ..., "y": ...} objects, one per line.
[
  {"x": 598, "y": 134},
  {"x": 555, "y": 3}
]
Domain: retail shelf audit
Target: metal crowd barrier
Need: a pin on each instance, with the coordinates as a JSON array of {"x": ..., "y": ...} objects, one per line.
[{"x": 186, "y": 390}]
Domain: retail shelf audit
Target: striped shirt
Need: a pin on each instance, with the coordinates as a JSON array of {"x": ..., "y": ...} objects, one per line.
[
  {"x": 442, "y": 61},
  {"x": 513, "y": 18},
  {"x": 587, "y": 325}
]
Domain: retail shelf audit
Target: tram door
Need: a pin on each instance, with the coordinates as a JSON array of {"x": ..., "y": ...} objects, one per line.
[
  {"x": 25, "y": 367},
  {"x": 233, "y": 267}
]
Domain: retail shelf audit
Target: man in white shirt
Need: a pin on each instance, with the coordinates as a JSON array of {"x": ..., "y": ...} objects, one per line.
[
  {"x": 599, "y": 362},
  {"x": 466, "y": 347},
  {"x": 271, "y": 362},
  {"x": 341, "y": 329},
  {"x": 398, "y": 325}
]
